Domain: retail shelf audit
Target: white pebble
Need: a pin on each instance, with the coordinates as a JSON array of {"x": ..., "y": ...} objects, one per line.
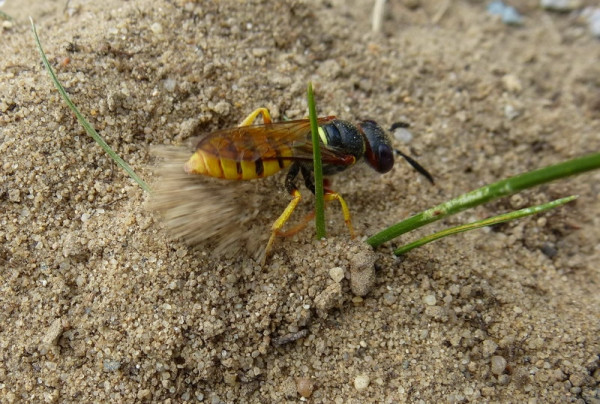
[
  {"x": 361, "y": 382},
  {"x": 337, "y": 274},
  {"x": 170, "y": 84},
  {"x": 403, "y": 135},
  {"x": 498, "y": 365},
  {"x": 592, "y": 15},
  {"x": 156, "y": 28},
  {"x": 430, "y": 300}
]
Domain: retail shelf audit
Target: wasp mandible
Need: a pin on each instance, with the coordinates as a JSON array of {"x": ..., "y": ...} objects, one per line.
[{"x": 252, "y": 151}]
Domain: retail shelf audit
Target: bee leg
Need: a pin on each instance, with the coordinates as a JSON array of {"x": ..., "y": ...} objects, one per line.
[
  {"x": 330, "y": 196},
  {"x": 283, "y": 218},
  {"x": 252, "y": 117}
]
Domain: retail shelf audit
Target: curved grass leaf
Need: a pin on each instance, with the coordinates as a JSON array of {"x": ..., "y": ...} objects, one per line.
[{"x": 87, "y": 126}]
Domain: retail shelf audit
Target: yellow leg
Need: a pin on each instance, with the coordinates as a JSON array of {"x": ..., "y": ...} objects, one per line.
[
  {"x": 252, "y": 117},
  {"x": 330, "y": 196},
  {"x": 298, "y": 227},
  {"x": 276, "y": 227}
]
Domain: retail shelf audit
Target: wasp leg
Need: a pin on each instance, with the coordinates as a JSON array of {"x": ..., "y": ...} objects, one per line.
[
  {"x": 304, "y": 222},
  {"x": 252, "y": 117},
  {"x": 330, "y": 196},
  {"x": 283, "y": 218},
  {"x": 298, "y": 227}
]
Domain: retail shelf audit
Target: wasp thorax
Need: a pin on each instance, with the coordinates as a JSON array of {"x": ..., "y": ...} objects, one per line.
[
  {"x": 343, "y": 135},
  {"x": 379, "y": 152}
]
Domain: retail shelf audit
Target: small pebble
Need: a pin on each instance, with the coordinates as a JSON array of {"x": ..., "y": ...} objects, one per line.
[
  {"x": 362, "y": 272},
  {"x": 110, "y": 365},
  {"x": 498, "y": 365},
  {"x": 222, "y": 107},
  {"x": 144, "y": 394},
  {"x": 578, "y": 379},
  {"x": 328, "y": 299},
  {"x": 337, "y": 274},
  {"x": 52, "y": 333},
  {"x": 260, "y": 52},
  {"x": 508, "y": 14},
  {"x": 549, "y": 250},
  {"x": 592, "y": 16},
  {"x": 230, "y": 378},
  {"x": 510, "y": 112},
  {"x": 14, "y": 195},
  {"x": 430, "y": 300},
  {"x": 512, "y": 83},
  {"x": 389, "y": 298},
  {"x": 156, "y": 28},
  {"x": 361, "y": 382},
  {"x": 305, "y": 386},
  {"x": 289, "y": 388},
  {"x": 558, "y": 375},
  {"x": 170, "y": 84},
  {"x": 503, "y": 379},
  {"x": 403, "y": 135},
  {"x": 489, "y": 347}
]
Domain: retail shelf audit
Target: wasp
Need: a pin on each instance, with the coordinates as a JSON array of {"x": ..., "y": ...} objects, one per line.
[{"x": 251, "y": 151}]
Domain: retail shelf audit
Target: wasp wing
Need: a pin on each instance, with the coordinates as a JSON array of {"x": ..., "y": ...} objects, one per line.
[{"x": 288, "y": 140}]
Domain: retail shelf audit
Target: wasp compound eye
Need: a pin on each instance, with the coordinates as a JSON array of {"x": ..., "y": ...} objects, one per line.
[
  {"x": 385, "y": 158},
  {"x": 378, "y": 151}
]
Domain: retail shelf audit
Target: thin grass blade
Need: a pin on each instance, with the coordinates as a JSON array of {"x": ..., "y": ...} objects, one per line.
[
  {"x": 87, "y": 126},
  {"x": 483, "y": 223},
  {"x": 5, "y": 16},
  {"x": 318, "y": 169},
  {"x": 487, "y": 193}
]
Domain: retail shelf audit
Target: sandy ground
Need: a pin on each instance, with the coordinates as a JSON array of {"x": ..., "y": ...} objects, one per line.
[{"x": 99, "y": 303}]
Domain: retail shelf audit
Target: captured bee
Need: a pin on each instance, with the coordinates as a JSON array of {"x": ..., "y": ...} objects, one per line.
[{"x": 252, "y": 151}]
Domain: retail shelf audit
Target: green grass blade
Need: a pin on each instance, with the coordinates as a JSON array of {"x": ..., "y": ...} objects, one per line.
[
  {"x": 482, "y": 223},
  {"x": 5, "y": 16},
  {"x": 487, "y": 193},
  {"x": 88, "y": 127},
  {"x": 318, "y": 169}
]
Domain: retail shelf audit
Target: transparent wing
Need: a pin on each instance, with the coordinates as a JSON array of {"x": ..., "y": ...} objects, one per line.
[{"x": 288, "y": 140}]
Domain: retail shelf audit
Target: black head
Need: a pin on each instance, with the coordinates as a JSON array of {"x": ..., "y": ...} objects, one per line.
[{"x": 378, "y": 152}]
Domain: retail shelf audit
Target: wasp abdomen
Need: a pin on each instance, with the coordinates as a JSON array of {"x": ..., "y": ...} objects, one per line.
[{"x": 225, "y": 158}]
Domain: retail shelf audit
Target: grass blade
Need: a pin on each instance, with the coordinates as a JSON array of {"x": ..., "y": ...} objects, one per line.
[
  {"x": 5, "y": 16},
  {"x": 318, "y": 169},
  {"x": 487, "y": 193},
  {"x": 483, "y": 223},
  {"x": 87, "y": 126}
]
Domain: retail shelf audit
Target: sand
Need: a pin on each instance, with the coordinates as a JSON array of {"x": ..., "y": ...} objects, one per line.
[{"x": 100, "y": 303}]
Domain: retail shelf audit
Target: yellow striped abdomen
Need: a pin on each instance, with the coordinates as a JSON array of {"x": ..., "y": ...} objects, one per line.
[{"x": 224, "y": 159}]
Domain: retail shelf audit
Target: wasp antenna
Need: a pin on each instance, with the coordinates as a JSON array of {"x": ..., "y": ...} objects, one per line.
[
  {"x": 401, "y": 124},
  {"x": 416, "y": 166}
]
